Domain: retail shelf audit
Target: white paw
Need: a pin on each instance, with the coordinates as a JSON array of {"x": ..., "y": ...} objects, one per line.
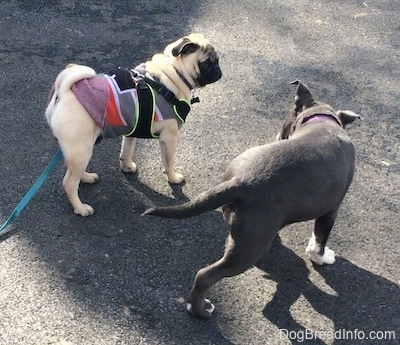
[
  {"x": 208, "y": 307},
  {"x": 189, "y": 307},
  {"x": 128, "y": 168},
  {"x": 313, "y": 249},
  {"x": 312, "y": 246},
  {"x": 175, "y": 178},
  {"x": 84, "y": 210},
  {"x": 89, "y": 178},
  {"x": 211, "y": 307},
  {"x": 328, "y": 257}
]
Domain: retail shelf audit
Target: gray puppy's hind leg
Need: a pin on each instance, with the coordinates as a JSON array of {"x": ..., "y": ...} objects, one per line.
[
  {"x": 235, "y": 261},
  {"x": 245, "y": 245},
  {"x": 317, "y": 250}
]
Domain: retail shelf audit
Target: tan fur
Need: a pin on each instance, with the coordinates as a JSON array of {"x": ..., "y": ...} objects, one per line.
[
  {"x": 161, "y": 66},
  {"x": 77, "y": 132}
]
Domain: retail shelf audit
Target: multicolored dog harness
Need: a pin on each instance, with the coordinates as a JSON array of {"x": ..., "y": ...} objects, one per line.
[{"x": 127, "y": 103}]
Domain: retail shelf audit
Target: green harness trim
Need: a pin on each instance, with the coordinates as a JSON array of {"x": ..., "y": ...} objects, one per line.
[
  {"x": 144, "y": 112},
  {"x": 182, "y": 109}
]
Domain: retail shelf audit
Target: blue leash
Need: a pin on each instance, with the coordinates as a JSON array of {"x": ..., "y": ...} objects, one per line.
[{"x": 31, "y": 192}]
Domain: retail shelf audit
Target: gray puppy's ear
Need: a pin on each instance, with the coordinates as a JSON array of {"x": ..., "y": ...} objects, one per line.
[
  {"x": 347, "y": 116},
  {"x": 288, "y": 126},
  {"x": 184, "y": 47},
  {"x": 304, "y": 99}
]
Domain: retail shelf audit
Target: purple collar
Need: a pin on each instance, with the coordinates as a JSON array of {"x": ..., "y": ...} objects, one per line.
[{"x": 321, "y": 117}]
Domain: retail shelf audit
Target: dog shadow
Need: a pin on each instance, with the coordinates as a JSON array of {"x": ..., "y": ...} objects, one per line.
[
  {"x": 176, "y": 190},
  {"x": 136, "y": 268},
  {"x": 357, "y": 301},
  {"x": 361, "y": 301}
]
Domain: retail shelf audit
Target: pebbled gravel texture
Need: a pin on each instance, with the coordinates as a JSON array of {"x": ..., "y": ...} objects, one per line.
[{"x": 119, "y": 278}]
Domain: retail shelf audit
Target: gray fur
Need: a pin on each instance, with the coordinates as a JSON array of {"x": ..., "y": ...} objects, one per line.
[{"x": 301, "y": 177}]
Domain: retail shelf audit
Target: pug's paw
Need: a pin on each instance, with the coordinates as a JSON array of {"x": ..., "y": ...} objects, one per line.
[
  {"x": 84, "y": 210},
  {"x": 89, "y": 178},
  {"x": 131, "y": 167},
  {"x": 175, "y": 178}
]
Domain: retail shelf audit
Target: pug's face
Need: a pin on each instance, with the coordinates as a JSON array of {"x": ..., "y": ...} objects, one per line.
[{"x": 195, "y": 55}]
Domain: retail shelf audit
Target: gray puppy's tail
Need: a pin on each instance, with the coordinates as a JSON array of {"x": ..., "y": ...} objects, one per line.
[{"x": 207, "y": 201}]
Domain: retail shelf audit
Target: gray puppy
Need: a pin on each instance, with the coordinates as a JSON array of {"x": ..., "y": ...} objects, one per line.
[{"x": 268, "y": 187}]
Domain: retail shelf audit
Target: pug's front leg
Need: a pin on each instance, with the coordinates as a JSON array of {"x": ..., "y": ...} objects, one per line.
[
  {"x": 168, "y": 142},
  {"x": 125, "y": 158}
]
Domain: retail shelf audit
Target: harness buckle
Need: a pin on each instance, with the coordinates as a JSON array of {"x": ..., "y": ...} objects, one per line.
[{"x": 141, "y": 84}]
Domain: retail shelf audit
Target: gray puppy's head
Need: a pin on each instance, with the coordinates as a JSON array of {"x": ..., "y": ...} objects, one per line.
[{"x": 305, "y": 106}]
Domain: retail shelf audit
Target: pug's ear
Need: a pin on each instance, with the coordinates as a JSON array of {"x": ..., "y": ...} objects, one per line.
[
  {"x": 347, "y": 116},
  {"x": 184, "y": 47}
]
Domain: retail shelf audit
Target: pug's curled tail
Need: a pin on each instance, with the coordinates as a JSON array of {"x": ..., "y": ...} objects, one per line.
[
  {"x": 67, "y": 78},
  {"x": 70, "y": 75},
  {"x": 221, "y": 194},
  {"x": 64, "y": 82}
]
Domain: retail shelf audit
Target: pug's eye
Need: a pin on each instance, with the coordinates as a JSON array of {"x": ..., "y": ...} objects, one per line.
[{"x": 205, "y": 65}]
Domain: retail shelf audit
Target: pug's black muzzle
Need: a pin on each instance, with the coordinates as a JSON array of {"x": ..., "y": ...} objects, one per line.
[{"x": 210, "y": 76}]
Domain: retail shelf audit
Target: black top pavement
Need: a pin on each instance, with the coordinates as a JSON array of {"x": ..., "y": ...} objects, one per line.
[{"x": 119, "y": 278}]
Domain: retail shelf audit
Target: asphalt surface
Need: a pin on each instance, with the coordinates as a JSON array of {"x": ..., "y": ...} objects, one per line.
[{"x": 119, "y": 278}]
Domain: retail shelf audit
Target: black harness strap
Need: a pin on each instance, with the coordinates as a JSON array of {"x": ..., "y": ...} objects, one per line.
[
  {"x": 181, "y": 107},
  {"x": 123, "y": 78},
  {"x": 146, "y": 100},
  {"x": 146, "y": 111},
  {"x": 162, "y": 90}
]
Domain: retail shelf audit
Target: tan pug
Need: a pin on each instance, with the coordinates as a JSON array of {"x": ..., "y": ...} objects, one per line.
[{"x": 150, "y": 101}]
